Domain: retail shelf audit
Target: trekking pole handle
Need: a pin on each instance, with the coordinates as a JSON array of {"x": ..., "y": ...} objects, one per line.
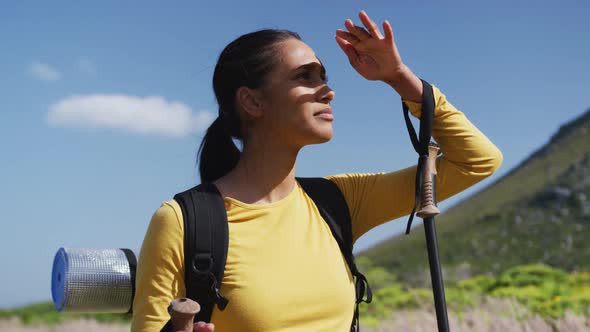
[
  {"x": 182, "y": 314},
  {"x": 427, "y": 202}
]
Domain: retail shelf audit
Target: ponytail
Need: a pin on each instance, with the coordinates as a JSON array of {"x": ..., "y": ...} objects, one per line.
[{"x": 218, "y": 154}]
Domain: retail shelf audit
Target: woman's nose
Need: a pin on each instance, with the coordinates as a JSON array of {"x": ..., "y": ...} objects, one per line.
[{"x": 327, "y": 94}]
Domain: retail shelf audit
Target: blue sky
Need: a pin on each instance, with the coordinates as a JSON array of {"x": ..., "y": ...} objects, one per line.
[{"x": 102, "y": 104}]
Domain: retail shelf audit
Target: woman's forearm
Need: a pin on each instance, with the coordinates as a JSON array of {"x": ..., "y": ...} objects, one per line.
[{"x": 407, "y": 85}]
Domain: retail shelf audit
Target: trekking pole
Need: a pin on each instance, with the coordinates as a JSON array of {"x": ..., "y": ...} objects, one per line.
[
  {"x": 425, "y": 197},
  {"x": 427, "y": 212},
  {"x": 182, "y": 314}
]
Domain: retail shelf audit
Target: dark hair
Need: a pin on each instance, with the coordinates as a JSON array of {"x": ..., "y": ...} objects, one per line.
[{"x": 245, "y": 61}]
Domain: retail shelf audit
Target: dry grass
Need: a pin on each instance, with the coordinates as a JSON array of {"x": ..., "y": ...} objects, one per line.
[
  {"x": 492, "y": 316},
  {"x": 78, "y": 325}
]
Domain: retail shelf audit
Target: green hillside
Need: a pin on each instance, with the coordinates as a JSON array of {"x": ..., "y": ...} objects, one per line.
[
  {"x": 538, "y": 213},
  {"x": 44, "y": 313}
]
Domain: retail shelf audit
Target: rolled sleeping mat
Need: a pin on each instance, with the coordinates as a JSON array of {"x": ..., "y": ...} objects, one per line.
[{"x": 93, "y": 280}]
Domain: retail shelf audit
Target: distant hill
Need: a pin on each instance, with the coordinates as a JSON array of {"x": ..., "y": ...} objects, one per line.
[{"x": 537, "y": 213}]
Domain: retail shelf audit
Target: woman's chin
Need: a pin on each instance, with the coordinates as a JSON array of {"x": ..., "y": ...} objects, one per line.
[
  {"x": 318, "y": 135},
  {"x": 323, "y": 136}
]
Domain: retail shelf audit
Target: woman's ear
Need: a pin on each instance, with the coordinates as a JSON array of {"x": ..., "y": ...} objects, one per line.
[{"x": 250, "y": 101}]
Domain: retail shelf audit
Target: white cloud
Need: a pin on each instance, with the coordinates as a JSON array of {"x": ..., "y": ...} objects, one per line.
[
  {"x": 44, "y": 72},
  {"x": 87, "y": 66},
  {"x": 148, "y": 115}
]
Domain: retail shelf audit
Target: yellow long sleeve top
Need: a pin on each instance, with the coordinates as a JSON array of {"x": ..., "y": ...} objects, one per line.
[{"x": 284, "y": 269}]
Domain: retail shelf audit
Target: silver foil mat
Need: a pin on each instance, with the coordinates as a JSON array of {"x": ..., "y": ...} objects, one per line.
[{"x": 92, "y": 280}]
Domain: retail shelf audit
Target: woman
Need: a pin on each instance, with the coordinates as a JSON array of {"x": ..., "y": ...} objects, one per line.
[{"x": 284, "y": 269}]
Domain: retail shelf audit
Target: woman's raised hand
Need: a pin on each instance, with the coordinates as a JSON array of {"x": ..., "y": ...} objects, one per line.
[{"x": 372, "y": 54}]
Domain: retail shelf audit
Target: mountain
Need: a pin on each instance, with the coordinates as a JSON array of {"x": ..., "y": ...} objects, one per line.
[{"x": 537, "y": 213}]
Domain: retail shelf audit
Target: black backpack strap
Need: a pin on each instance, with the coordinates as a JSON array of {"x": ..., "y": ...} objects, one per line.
[
  {"x": 333, "y": 208},
  {"x": 206, "y": 240}
]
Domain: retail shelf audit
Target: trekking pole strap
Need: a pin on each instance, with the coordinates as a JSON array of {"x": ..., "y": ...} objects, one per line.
[{"x": 421, "y": 142}]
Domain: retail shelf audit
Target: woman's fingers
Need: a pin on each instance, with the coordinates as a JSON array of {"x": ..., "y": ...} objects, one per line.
[
  {"x": 370, "y": 51},
  {"x": 370, "y": 25},
  {"x": 388, "y": 31},
  {"x": 349, "y": 37},
  {"x": 358, "y": 32},
  {"x": 347, "y": 47},
  {"x": 204, "y": 327},
  {"x": 372, "y": 30}
]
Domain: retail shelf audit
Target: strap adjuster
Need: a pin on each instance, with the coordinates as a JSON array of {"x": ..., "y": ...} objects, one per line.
[{"x": 202, "y": 264}]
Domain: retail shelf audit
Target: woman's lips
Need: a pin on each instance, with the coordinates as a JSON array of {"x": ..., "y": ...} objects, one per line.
[{"x": 325, "y": 114}]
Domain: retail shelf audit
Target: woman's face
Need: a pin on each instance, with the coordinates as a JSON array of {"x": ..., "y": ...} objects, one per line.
[{"x": 296, "y": 99}]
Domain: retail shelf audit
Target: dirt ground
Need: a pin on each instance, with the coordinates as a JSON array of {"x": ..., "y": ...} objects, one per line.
[{"x": 494, "y": 315}]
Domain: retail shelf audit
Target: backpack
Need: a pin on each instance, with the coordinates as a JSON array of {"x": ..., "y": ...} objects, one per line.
[{"x": 206, "y": 241}]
